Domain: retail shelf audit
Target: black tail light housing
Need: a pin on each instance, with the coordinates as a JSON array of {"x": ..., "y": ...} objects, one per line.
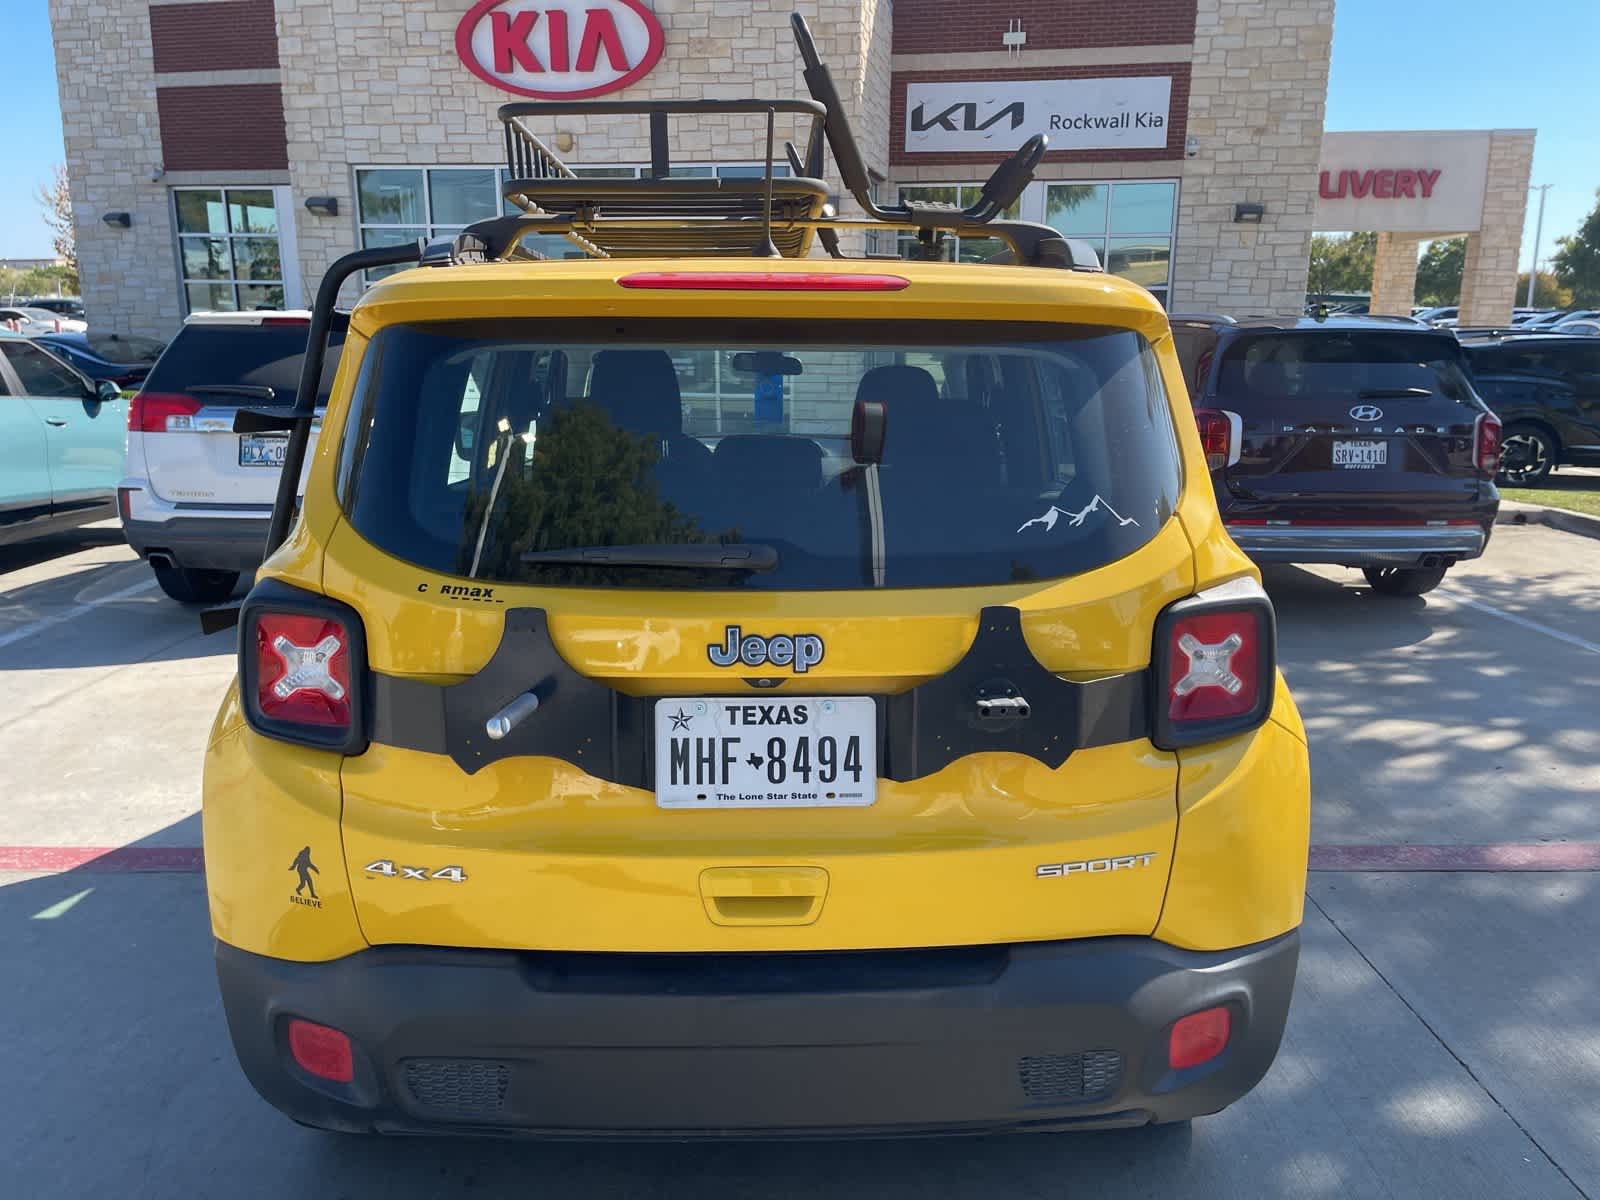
[
  {"x": 303, "y": 668},
  {"x": 1215, "y": 665}
]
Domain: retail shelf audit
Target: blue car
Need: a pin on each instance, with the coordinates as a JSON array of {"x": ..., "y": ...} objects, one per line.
[{"x": 62, "y": 439}]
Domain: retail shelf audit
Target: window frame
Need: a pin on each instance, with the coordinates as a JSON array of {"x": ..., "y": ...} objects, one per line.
[
  {"x": 1034, "y": 206},
  {"x": 288, "y": 280}
]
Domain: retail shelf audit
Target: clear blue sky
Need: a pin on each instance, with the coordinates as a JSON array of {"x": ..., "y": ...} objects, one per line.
[{"x": 1427, "y": 64}]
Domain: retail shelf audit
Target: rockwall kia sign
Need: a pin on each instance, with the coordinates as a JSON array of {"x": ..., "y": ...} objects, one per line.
[
  {"x": 559, "y": 49},
  {"x": 997, "y": 116}
]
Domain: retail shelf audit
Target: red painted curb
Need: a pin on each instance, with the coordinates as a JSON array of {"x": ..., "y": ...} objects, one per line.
[
  {"x": 1504, "y": 856},
  {"x": 186, "y": 859}
]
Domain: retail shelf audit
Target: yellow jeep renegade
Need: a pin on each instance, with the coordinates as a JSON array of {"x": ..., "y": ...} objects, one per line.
[{"x": 705, "y": 694}]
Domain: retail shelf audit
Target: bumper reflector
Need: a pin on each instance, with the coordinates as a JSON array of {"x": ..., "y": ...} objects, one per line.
[
  {"x": 1199, "y": 1037},
  {"x": 321, "y": 1051}
]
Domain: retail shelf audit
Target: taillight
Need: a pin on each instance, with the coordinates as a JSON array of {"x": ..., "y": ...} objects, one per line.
[
  {"x": 1215, "y": 657},
  {"x": 1221, "y": 433},
  {"x": 322, "y": 1051},
  {"x": 1199, "y": 1037},
  {"x": 302, "y": 665},
  {"x": 303, "y": 669},
  {"x": 125, "y": 502},
  {"x": 763, "y": 281},
  {"x": 162, "y": 412},
  {"x": 303, "y": 322},
  {"x": 1486, "y": 445}
]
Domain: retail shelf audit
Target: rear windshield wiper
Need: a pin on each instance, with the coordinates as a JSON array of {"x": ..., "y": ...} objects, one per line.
[
  {"x": 736, "y": 556},
  {"x": 250, "y": 391},
  {"x": 1393, "y": 393}
]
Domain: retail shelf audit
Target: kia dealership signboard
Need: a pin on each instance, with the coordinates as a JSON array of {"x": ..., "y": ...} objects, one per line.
[
  {"x": 559, "y": 49},
  {"x": 1403, "y": 182},
  {"x": 997, "y": 116}
]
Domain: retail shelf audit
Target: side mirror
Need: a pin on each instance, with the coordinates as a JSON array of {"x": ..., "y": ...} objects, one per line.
[{"x": 106, "y": 391}]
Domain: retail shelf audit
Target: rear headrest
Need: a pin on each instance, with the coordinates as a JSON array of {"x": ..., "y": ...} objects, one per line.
[
  {"x": 1268, "y": 378},
  {"x": 769, "y": 461},
  {"x": 926, "y": 431},
  {"x": 639, "y": 389},
  {"x": 898, "y": 384}
]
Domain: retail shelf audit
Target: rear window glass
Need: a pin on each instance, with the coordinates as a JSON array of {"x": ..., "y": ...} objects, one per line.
[
  {"x": 122, "y": 347},
  {"x": 1011, "y": 453},
  {"x": 1318, "y": 364},
  {"x": 242, "y": 355}
]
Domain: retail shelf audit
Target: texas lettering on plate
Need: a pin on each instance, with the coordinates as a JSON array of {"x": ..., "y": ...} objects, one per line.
[{"x": 811, "y": 752}]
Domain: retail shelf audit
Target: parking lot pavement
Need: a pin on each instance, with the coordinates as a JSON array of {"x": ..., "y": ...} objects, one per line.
[{"x": 1445, "y": 1037}]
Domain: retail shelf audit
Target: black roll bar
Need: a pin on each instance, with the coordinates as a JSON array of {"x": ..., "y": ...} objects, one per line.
[{"x": 305, "y": 403}]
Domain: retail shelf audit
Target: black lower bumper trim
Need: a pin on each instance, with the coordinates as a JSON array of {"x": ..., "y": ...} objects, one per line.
[
  {"x": 1040, "y": 1036},
  {"x": 202, "y": 543}
]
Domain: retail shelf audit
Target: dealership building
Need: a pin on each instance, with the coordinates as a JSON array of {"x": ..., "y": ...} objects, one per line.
[{"x": 222, "y": 153}]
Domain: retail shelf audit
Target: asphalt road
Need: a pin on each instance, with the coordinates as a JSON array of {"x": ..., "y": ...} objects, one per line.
[{"x": 1445, "y": 1037}]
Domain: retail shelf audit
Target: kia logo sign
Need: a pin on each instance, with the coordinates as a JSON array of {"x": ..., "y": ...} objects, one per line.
[{"x": 559, "y": 49}]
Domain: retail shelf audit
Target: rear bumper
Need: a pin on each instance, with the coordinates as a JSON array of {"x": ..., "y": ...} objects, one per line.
[
  {"x": 1042, "y": 1036},
  {"x": 206, "y": 543},
  {"x": 1361, "y": 545}
]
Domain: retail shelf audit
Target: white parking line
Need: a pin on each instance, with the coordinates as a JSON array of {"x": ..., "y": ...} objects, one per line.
[
  {"x": 77, "y": 610},
  {"x": 1570, "y": 639}
]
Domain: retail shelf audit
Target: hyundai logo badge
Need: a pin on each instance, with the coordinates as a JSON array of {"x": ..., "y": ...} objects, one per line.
[{"x": 1366, "y": 412}]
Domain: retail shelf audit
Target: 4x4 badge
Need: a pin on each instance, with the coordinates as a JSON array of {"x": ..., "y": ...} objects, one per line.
[{"x": 802, "y": 651}]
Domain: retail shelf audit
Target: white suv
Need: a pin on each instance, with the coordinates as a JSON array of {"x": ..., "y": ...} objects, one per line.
[{"x": 197, "y": 497}]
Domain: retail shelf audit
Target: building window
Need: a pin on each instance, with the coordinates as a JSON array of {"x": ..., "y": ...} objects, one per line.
[
  {"x": 1128, "y": 224},
  {"x": 398, "y": 205},
  {"x": 952, "y": 249},
  {"x": 228, "y": 249}
]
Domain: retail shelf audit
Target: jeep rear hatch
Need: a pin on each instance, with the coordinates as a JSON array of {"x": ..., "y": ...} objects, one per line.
[{"x": 708, "y": 577}]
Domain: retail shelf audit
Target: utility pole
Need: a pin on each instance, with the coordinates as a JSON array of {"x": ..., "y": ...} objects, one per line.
[{"x": 1538, "y": 232}]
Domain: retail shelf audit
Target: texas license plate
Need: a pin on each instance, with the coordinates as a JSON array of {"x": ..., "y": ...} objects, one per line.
[
  {"x": 258, "y": 451},
  {"x": 1360, "y": 454},
  {"x": 815, "y": 752}
]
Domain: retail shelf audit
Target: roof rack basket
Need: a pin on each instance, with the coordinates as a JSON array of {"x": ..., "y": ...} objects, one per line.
[{"x": 662, "y": 214}]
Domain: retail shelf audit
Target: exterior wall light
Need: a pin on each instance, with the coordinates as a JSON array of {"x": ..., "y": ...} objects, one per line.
[
  {"x": 323, "y": 206},
  {"x": 118, "y": 220},
  {"x": 1248, "y": 214}
]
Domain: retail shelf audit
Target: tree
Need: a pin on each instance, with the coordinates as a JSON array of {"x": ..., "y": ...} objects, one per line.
[
  {"x": 56, "y": 200},
  {"x": 1547, "y": 293},
  {"x": 1576, "y": 263},
  {"x": 1439, "y": 271},
  {"x": 1341, "y": 264}
]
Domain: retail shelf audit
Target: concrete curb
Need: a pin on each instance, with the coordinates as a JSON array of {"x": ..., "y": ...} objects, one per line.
[{"x": 1513, "y": 512}]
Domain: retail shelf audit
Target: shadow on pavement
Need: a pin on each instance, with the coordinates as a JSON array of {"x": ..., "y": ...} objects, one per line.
[
  {"x": 1399, "y": 694},
  {"x": 17, "y": 555},
  {"x": 123, "y": 1083},
  {"x": 141, "y": 624}
]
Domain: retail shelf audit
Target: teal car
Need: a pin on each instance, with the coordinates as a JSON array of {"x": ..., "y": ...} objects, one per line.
[{"x": 62, "y": 439}]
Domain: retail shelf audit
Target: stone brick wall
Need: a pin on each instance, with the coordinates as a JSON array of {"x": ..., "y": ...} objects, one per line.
[
  {"x": 106, "y": 72},
  {"x": 1257, "y": 94},
  {"x": 1489, "y": 278},
  {"x": 938, "y": 26},
  {"x": 377, "y": 82},
  {"x": 1394, "y": 273}
]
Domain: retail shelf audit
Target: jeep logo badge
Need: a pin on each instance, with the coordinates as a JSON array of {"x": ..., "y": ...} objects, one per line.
[
  {"x": 559, "y": 49},
  {"x": 802, "y": 651}
]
